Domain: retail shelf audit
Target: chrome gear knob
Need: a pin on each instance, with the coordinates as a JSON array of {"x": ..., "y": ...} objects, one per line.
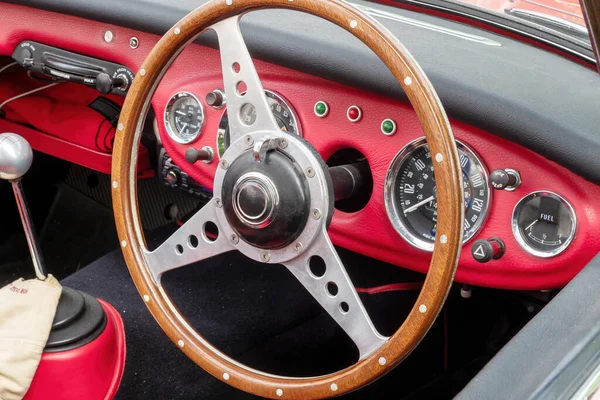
[{"x": 16, "y": 156}]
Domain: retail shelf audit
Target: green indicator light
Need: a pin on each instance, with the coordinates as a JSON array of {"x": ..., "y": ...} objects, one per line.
[
  {"x": 221, "y": 144},
  {"x": 388, "y": 127},
  {"x": 321, "y": 109}
]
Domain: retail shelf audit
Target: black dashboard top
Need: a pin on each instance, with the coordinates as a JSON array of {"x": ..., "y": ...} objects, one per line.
[{"x": 530, "y": 96}]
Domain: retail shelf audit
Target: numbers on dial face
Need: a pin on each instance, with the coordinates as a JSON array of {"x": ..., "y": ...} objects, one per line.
[
  {"x": 544, "y": 224},
  {"x": 414, "y": 195},
  {"x": 187, "y": 121},
  {"x": 184, "y": 117}
]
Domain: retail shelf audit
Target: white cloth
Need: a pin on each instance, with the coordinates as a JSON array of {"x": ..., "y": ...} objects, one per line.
[{"x": 27, "y": 310}]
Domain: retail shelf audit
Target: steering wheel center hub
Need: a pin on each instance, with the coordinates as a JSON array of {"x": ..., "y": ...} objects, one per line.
[
  {"x": 266, "y": 203},
  {"x": 255, "y": 199}
]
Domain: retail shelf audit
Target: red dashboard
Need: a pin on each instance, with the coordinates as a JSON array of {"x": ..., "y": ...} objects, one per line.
[{"x": 368, "y": 231}]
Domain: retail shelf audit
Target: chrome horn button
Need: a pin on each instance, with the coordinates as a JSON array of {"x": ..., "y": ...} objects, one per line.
[
  {"x": 266, "y": 203},
  {"x": 255, "y": 199}
]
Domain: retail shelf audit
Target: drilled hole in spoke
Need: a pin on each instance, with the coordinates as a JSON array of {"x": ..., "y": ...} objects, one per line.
[
  {"x": 344, "y": 307},
  {"x": 241, "y": 88},
  {"x": 193, "y": 241},
  {"x": 179, "y": 249},
  {"x": 332, "y": 289},
  {"x": 235, "y": 68},
  {"x": 317, "y": 266},
  {"x": 210, "y": 231}
]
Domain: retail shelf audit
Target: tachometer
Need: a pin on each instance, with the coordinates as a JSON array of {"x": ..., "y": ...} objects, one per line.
[
  {"x": 411, "y": 197},
  {"x": 284, "y": 115},
  {"x": 184, "y": 117},
  {"x": 544, "y": 224}
]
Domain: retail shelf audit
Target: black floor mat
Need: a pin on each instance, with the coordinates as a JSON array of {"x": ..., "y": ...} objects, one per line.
[
  {"x": 254, "y": 312},
  {"x": 262, "y": 316}
]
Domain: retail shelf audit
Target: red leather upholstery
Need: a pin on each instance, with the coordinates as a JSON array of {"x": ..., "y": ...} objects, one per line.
[{"x": 91, "y": 372}]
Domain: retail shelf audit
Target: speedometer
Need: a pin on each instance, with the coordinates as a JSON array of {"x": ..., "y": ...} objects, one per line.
[
  {"x": 411, "y": 197},
  {"x": 284, "y": 114}
]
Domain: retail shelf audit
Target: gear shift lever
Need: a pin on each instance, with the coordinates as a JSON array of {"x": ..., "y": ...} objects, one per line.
[{"x": 16, "y": 157}]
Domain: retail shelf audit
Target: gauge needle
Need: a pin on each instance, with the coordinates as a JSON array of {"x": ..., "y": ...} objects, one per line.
[
  {"x": 185, "y": 124},
  {"x": 180, "y": 112},
  {"x": 531, "y": 224},
  {"x": 419, "y": 204}
]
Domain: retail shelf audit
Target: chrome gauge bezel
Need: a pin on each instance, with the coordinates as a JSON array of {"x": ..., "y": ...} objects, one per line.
[
  {"x": 167, "y": 118},
  {"x": 519, "y": 236},
  {"x": 224, "y": 122},
  {"x": 390, "y": 197}
]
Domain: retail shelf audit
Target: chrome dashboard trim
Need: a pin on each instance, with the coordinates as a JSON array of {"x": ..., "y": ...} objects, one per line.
[
  {"x": 517, "y": 232},
  {"x": 174, "y": 135},
  {"x": 389, "y": 198}
]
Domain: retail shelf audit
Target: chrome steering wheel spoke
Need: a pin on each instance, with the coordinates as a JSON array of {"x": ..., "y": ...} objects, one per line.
[
  {"x": 248, "y": 110},
  {"x": 189, "y": 244},
  {"x": 334, "y": 291}
]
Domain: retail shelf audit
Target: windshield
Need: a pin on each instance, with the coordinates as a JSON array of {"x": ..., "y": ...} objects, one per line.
[
  {"x": 562, "y": 16},
  {"x": 557, "y": 17},
  {"x": 568, "y": 10}
]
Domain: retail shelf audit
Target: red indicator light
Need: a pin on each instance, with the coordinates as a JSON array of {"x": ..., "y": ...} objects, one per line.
[{"x": 354, "y": 113}]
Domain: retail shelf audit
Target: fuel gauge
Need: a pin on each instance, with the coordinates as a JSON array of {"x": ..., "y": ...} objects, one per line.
[{"x": 544, "y": 224}]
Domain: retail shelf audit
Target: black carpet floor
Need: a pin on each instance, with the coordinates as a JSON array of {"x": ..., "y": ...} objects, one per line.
[{"x": 256, "y": 313}]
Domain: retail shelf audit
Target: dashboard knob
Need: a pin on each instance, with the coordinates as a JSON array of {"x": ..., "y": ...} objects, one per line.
[
  {"x": 105, "y": 84},
  {"x": 27, "y": 57},
  {"x": 487, "y": 250},
  {"x": 206, "y": 154},
  {"x": 508, "y": 179},
  {"x": 215, "y": 99},
  {"x": 26, "y": 53}
]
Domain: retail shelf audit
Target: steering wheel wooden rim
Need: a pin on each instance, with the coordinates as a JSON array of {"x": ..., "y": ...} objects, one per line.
[{"x": 448, "y": 177}]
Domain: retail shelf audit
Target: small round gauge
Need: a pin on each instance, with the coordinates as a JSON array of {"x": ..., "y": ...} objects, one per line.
[
  {"x": 184, "y": 117},
  {"x": 411, "y": 197},
  {"x": 284, "y": 115},
  {"x": 544, "y": 224}
]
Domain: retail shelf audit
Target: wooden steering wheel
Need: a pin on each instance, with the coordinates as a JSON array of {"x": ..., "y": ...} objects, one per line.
[{"x": 273, "y": 201}]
